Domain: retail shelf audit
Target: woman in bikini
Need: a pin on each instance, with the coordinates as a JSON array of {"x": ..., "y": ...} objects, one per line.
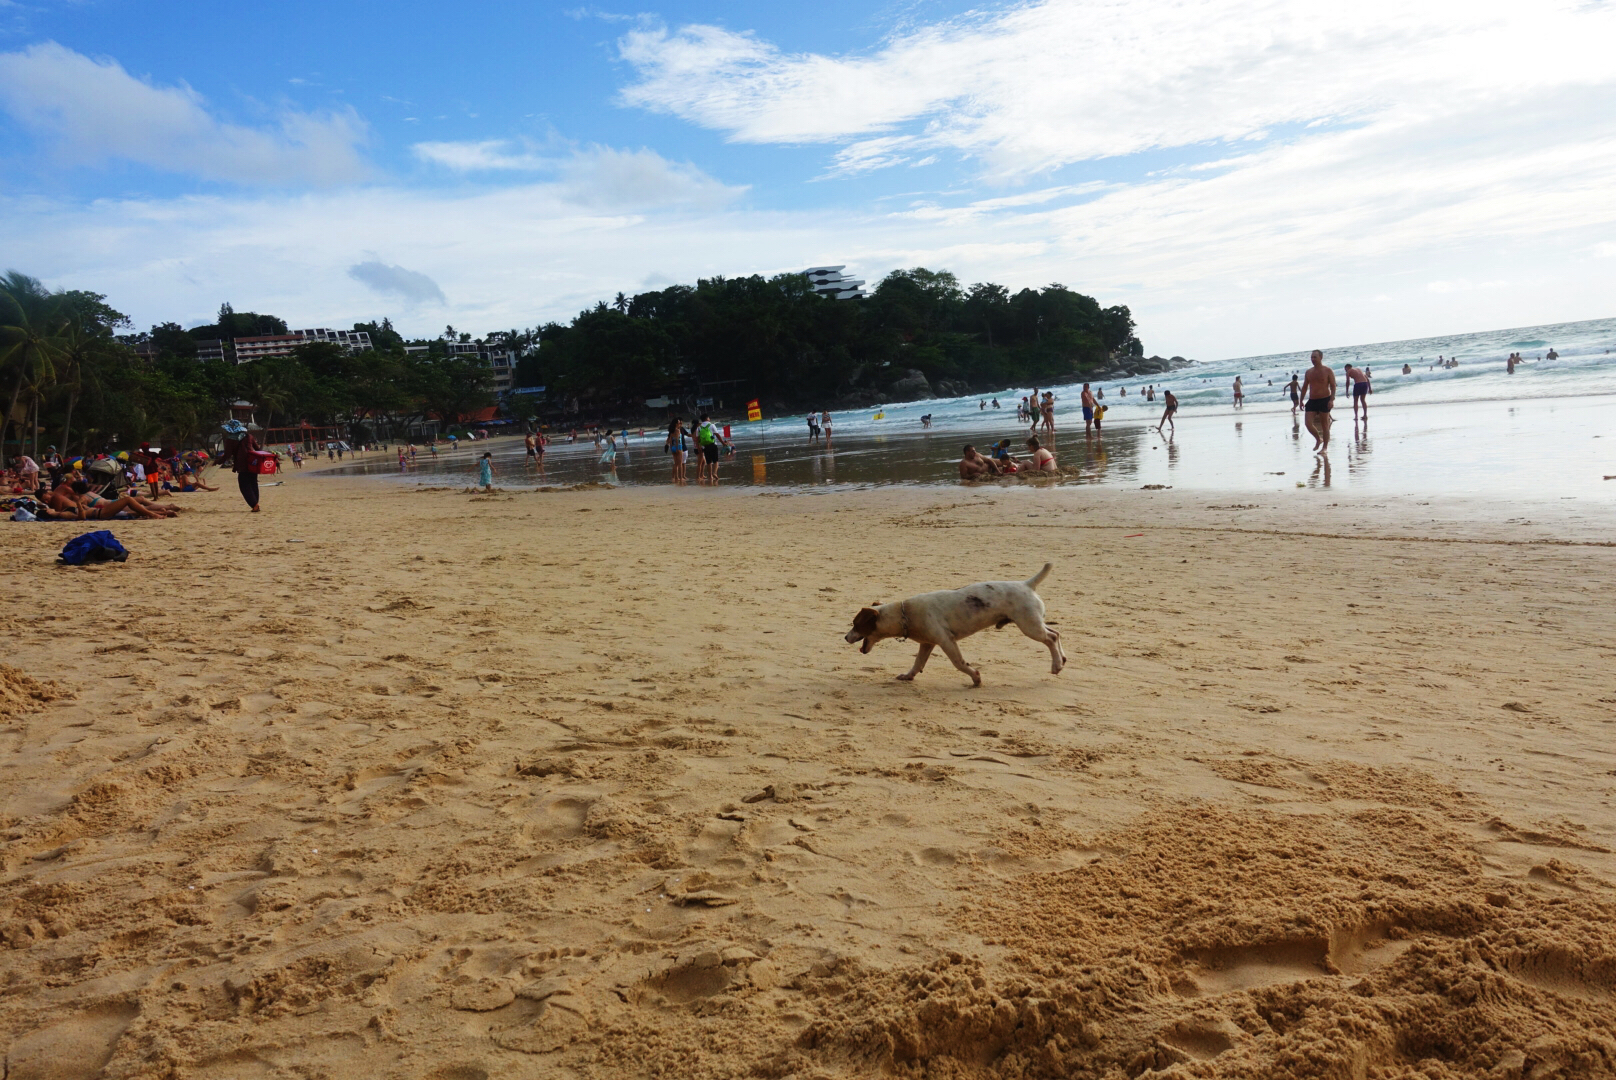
[
  {"x": 1042, "y": 460},
  {"x": 676, "y": 446}
]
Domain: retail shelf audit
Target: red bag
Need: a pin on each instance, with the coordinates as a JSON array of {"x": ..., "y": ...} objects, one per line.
[{"x": 263, "y": 462}]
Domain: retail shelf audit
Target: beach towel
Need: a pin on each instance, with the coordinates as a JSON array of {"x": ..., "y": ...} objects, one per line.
[{"x": 99, "y": 546}]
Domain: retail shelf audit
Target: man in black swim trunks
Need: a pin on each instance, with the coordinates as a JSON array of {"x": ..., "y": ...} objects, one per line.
[
  {"x": 1167, "y": 413},
  {"x": 1318, "y": 384}
]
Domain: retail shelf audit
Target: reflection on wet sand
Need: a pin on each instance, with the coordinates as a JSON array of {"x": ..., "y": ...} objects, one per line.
[{"x": 1536, "y": 447}]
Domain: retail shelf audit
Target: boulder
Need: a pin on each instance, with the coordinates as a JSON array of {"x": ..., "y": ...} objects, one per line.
[{"x": 912, "y": 387}]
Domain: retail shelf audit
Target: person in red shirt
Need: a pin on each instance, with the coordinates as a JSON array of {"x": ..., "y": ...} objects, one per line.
[{"x": 239, "y": 449}]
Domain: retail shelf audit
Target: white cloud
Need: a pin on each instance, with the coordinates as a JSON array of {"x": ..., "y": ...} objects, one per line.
[
  {"x": 90, "y": 111},
  {"x": 1045, "y": 84},
  {"x": 412, "y": 286},
  {"x": 1323, "y": 242},
  {"x": 600, "y": 176},
  {"x": 1446, "y": 150},
  {"x": 483, "y": 156}
]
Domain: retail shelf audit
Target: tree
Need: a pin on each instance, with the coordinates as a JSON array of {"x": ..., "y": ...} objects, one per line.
[
  {"x": 86, "y": 344},
  {"x": 30, "y": 328}
]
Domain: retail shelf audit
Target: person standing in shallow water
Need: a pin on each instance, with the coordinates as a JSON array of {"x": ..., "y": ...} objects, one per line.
[
  {"x": 1318, "y": 386},
  {"x": 485, "y": 472},
  {"x": 240, "y": 449}
]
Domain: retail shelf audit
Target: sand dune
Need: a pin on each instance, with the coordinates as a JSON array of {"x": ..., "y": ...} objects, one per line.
[{"x": 586, "y": 784}]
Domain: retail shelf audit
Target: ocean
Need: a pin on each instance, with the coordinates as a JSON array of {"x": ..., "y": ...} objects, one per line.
[{"x": 1544, "y": 431}]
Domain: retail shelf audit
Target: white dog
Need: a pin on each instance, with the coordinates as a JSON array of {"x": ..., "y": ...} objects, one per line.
[{"x": 941, "y": 619}]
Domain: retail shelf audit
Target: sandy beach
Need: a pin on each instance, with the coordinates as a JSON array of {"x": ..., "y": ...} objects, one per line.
[{"x": 433, "y": 785}]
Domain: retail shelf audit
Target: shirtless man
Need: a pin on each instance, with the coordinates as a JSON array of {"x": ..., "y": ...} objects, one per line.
[
  {"x": 1295, "y": 391},
  {"x": 1318, "y": 386},
  {"x": 1088, "y": 409},
  {"x": 1359, "y": 379},
  {"x": 974, "y": 466},
  {"x": 1167, "y": 413}
]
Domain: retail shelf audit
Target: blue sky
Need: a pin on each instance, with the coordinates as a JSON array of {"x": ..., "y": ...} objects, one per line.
[{"x": 1249, "y": 176}]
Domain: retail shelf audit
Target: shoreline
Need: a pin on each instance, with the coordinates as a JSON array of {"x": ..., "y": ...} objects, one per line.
[{"x": 1518, "y": 451}]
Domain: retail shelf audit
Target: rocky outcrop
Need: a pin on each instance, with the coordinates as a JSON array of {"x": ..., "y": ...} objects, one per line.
[
  {"x": 1123, "y": 367},
  {"x": 913, "y": 386}
]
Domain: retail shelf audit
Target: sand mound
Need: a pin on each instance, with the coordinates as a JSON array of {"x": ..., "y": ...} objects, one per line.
[
  {"x": 1217, "y": 943},
  {"x": 21, "y": 694}
]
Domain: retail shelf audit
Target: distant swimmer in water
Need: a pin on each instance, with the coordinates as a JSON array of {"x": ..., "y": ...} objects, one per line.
[
  {"x": 1551, "y": 354},
  {"x": 1319, "y": 385},
  {"x": 1407, "y": 370}
]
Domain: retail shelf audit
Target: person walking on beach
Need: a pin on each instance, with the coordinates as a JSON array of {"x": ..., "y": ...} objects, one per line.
[
  {"x": 1047, "y": 407},
  {"x": 1359, "y": 378},
  {"x": 707, "y": 445},
  {"x": 813, "y": 427},
  {"x": 241, "y": 450},
  {"x": 824, "y": 423},
  {"x": 1239, "y": 393},
  {"x": 485, "y": 472},
  {"x": 1295, "y": 391},
  {"x": 1167, "y": 413},
  {"x": 1318, "y": 385},
  {"x": 531, "y": 447},
  {"x": 1088, "y": 410}
]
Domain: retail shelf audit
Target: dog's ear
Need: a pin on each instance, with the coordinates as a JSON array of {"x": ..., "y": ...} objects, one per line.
[{"x": 864, "y": 622}]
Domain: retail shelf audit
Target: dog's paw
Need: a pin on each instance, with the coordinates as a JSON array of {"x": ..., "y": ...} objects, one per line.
[{"x": 907, "y": 676}]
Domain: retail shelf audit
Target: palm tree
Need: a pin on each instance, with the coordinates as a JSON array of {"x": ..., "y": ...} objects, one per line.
[
  {"x": 30, "y": 324},
  {"x": 84, "y": 346}
]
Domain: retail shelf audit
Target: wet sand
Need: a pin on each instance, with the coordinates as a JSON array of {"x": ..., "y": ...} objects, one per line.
[
  {"x": 587, "y": 784},
  {"x": 1531, "y": 448}
]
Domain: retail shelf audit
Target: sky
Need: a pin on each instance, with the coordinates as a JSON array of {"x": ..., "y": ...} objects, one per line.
[{"x": 1248, "y": 176}]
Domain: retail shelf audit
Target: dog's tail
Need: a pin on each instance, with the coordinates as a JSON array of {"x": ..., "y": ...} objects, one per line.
[{"x": 1032, "y": 582}]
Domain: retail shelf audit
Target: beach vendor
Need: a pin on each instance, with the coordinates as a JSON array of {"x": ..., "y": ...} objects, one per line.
[{"x": 240, "y": 449}]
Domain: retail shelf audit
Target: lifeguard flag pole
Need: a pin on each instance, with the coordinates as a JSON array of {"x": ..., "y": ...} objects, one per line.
[{"x": 753, "y": 412}]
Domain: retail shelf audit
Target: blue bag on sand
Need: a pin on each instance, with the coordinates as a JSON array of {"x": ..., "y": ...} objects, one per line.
[{"x": 93, "y": 547}]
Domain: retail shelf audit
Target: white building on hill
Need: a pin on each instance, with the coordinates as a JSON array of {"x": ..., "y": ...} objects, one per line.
[
  {"x": 352, "y": 340},
  {"x": 830, "y": 281}
]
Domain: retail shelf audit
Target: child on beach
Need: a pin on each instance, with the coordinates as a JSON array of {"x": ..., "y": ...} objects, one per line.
[{"x": 485, "y": 472}]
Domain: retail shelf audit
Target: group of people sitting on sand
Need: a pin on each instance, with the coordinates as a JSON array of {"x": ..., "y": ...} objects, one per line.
[
  {"x": 127, "y": 484},
  {"x": 999, "y": 461}
]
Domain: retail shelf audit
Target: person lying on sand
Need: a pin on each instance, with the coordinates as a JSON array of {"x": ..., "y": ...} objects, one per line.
[{"x": 74, "y": 495}]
